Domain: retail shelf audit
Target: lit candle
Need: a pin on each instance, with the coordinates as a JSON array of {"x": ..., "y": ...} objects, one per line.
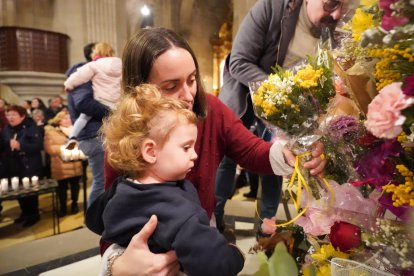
[
  {"x": 35, "y": 180},
  {"x": 4, "y": 184},
  {"x": 15, "y": 183},
  {"x": 26, "y": 182}
]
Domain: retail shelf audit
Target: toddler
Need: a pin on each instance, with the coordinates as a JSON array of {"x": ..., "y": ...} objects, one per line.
[
  {"x": 105, "y": 73},
  {"x": 151, "y": 139}
]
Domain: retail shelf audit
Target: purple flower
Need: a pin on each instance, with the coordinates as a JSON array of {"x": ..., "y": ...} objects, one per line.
[
  {"x": 378, "y": 163},
  {"x": 342, "y": 126},
  {"x": 408, "y": 86},
  {"x": 401, "y": 212}
]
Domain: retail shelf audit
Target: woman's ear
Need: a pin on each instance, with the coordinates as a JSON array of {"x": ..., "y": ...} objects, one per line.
[{"x": 148, "y": 151}]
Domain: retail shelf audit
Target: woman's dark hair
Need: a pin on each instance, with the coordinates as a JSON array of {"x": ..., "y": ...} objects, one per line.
[
  {"x": 87, "y": 51},
  {"x": 17, "y": 108},
  {"x": 144, "y": 48},
  {"x": 42, "y": 105}
]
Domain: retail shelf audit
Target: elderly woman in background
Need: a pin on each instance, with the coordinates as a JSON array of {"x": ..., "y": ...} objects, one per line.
[
  {"x": 21, "y": 145},
  {"x": 66, "y": 173}
]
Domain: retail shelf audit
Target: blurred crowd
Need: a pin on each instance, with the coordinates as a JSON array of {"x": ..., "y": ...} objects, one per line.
[{"x": 31, "y": 135}]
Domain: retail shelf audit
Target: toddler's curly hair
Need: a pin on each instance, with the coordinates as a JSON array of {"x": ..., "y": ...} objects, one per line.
[{"x": 142, "y": 113}]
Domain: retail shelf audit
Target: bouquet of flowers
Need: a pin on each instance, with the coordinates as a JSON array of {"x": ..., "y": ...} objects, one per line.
[
  {"x": 354, "y": 235},
  {"x": 391, "y": 113},
  {"x": 291, "y": 102}
]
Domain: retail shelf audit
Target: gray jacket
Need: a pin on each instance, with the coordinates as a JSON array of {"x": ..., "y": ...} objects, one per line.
[{"x": 261, "y": 42}]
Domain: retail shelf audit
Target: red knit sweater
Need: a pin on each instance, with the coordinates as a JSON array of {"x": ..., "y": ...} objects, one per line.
[{"x": 220, "y": 133}]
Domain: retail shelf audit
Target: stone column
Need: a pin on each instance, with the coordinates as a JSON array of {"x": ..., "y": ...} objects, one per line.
[{"x": 101, "y": 25}]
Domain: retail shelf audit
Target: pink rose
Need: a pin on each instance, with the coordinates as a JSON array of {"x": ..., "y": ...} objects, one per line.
[
  {"x": 269, "y": 226},
  {"x": 384, "y": 118}
]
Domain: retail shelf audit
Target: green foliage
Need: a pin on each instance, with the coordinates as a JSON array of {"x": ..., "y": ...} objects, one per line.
[{"x": 281, "y": 263}]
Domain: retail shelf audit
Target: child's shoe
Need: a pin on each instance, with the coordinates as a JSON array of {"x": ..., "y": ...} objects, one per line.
[{"x": 71, "y": 144}]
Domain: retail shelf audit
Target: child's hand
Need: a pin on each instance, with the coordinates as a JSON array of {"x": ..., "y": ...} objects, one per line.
[
  {"x": 68, "y": 89},
  {"x": 269, "y": 226}
]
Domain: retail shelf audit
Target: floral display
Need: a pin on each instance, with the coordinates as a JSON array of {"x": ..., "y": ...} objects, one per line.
[
  {"x": 293, "y": 99},
  {"x": 362, "y": 222},
  {"x": 293, "y": 102}
]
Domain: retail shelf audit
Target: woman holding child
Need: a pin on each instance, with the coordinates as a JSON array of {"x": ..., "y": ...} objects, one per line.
[{"x": 161, "y": 57}]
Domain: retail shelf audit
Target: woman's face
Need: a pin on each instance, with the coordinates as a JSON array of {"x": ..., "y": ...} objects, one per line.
[
  {"x": 174, "y": 72},
  {"x": 35, "y": 103},
  {"x": 14, "y": 118},
  {"x": 65, "y": 122}
]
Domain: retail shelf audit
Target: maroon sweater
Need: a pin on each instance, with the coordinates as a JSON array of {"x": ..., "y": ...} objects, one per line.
[{"x": 220, "y": 133}]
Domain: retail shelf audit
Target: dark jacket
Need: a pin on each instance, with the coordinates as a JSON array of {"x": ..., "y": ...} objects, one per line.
[
  {"x": 261, "y": 42},
  {"x": 183, "y": 225},
  {"x": 81, "y": 100},
  {"x": 27, "y": 161}
]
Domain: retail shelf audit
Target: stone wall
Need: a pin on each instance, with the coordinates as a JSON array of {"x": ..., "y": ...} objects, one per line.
[{"x": 114, "y": 21}]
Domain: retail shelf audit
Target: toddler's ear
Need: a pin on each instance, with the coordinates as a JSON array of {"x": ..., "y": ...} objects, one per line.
[{"x": 148, "y": 151}]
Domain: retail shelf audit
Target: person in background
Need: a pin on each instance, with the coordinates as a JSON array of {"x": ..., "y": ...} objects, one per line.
[
  {"x": 3, "y": 124},
  {"x": 273, "y": 33},
  {"x": 37, "y": 103},
  {"x": 161, "y": 57},
  {"x": 152, "y": 139},
  {"x": 66, "y": 173},
  {"x": 87, "y": 53},
  {"x": 105, "y": 73},
  {"x": 55, "y": 106},
  {"x": 21, "y": 144},
  {"x": 81, "y": 100},
  {"x": 39, "y": 119},
  {"x": 3, "y": 119},
  {"x": 26, "y": 104}
]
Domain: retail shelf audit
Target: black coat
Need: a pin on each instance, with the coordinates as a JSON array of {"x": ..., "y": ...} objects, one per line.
[
  {"x": 27, "y": 161},
  {"x": 182, "y": 226}
]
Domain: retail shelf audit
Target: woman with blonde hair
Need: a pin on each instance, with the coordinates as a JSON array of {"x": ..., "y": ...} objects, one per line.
[
  {"x": 66, "y": 173},
  {"x": 105, "y": 73}
]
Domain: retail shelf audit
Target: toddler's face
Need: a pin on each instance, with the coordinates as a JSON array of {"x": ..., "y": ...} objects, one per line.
[{"x": 176, "y": 157}]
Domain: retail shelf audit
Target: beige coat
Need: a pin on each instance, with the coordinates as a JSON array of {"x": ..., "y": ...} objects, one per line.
[{"x": 54, "y": 138}]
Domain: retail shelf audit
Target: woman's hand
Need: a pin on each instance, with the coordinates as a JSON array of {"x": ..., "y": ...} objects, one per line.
[
  {"x": 316, "y": 165},
  {"x": 139, "y": 260}
]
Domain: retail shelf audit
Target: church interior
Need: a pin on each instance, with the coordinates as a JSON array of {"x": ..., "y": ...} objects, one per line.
[
  {"x": 40, "y": 40},
  {"x": 332, "y": 100}
]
